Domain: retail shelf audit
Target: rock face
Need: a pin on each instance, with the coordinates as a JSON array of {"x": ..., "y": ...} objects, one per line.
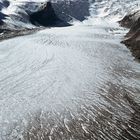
[
  {"x": 68, "y": 10},
  {"x": 130, "y": 19},
  {"x": 60, "y": 13},
  {"x": 2, "y": 16},
  {"x": 132, "y": 38},
  {"x": 3, "y": 4},
  {"x": 47, "y": 17}
]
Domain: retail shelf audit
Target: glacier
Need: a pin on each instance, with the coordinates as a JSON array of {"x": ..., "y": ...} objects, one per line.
[{"x": 70, "y": 83}]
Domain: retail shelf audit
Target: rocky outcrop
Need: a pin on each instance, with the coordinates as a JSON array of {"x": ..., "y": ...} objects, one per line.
[
  {"x": 133, "y": 43},
  {"x": 132, "y": 38},
  {"x": 2, "y": 17},
  {"x": 130, "y": 19},
  {"x": 68, "y": 10},
  {"x": 47, "y": 17},
  {"x": 3, "y": 4},
  {"x": 60, "y": 13}
]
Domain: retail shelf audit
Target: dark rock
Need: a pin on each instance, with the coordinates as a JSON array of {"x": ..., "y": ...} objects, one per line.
[
  {"x": 47, "y": 17},
  {"x": 4, "y": 3},
  {"x": 126, "y": 22},
  {"x": 133, "y": 43},
  {"x": 69, "y": 10},
  {"x": 132, "y": 38},
  {"x": 61, "y": 13},
  {"x": 135, "y": 27},
  {"x": 2, "y": 16}
]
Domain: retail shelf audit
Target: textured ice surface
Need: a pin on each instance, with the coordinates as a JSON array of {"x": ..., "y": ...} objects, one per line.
[
  {"x": 73, "y": 83},
  {"x": 65, "y": 83}
]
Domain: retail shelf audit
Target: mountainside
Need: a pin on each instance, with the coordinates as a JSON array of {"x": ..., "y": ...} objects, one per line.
[
  {"x": 20, "y": 17},
  {"x": 16, "y": 13},
  {"x": 132, "y": 39}
]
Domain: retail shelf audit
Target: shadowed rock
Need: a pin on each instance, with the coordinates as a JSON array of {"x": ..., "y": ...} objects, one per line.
[
  {"x": 72, "y": 10},
  {"x": 61, "y": 13},
  {"x": 2, "y": 16},
  {"x": 47, "y": 17},
  {"x": 3, "y": 3}
]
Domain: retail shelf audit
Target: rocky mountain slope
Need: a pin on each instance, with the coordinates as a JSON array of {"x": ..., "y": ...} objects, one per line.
[
  {"x": 18, "y": 13},
  {"x": 22, "y": 17},
  {"x": 132, "y": 39}
]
